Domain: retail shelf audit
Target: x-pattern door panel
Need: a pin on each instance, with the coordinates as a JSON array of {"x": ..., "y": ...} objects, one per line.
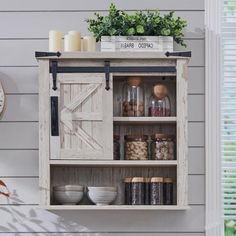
[{"x": 85, "y": 112}]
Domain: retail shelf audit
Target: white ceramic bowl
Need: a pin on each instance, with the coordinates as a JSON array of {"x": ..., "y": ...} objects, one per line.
[
  {"x": 68, "y": 187},
  {"x": 109, "y": 189},
  {"x": 68, "y": 197},
  {"x": 101, "y": 198}
]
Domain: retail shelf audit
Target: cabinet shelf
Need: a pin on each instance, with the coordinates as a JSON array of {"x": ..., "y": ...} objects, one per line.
[
  {"x": 79, "y": 116},
  {"x": 114, "y": 163},
  {"x": 147, "y": 120},
  {"x": 116, "y": 207}
]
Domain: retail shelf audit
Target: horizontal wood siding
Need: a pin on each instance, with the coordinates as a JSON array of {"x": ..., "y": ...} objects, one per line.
[{"x": 25, "y": 25}]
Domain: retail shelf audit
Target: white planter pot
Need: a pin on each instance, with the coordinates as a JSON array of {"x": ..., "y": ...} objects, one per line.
[{"x": 137, "y": 43}]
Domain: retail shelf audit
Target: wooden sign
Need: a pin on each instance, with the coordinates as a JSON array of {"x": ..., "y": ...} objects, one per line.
[{"x": 136, "y": 43}]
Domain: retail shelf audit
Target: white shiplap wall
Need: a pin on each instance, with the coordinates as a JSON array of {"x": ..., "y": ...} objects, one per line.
[{"x": 24, "y": 28}]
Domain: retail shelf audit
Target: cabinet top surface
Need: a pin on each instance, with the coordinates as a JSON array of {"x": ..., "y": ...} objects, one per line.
[{"x": 112, "y": 55}]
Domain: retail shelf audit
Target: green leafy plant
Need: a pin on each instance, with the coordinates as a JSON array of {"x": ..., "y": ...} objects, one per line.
[{"x": 148, "y": 23}]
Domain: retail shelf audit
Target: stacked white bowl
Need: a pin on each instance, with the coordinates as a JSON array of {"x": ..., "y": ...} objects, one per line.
[
  {"x": 68, "y": 194},
  {"x": 102, "y": 196}
]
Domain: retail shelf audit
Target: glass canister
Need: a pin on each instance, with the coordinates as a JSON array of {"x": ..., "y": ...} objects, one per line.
[
  {"x": 147, "y": 186},
  {"x": 163, "y": 147},
  {"x": 133, "y": 97},
  {"x": 159, "y": 103},
  {"x": 136, "y": 147},
  {"x": 116, "y": 147},
  {"x": 156, "y": 191},
  {"x": 168, "y": 191},
  {"x": 138, "y": 191},
  {"x": 128, "y": 191}
]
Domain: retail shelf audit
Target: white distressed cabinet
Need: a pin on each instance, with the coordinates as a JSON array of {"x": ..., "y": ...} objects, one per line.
[
  {"x": 79, "y": 113},
  {"x": 85, "y": 111}
]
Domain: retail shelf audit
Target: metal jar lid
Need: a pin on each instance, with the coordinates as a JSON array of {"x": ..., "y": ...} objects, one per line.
[
  {"x": 160, "y": 91},
  {"x": 157, "y": 179},
  {"x": 137, "y": 180},
  {"x": 169, "y": 180},
  {"x": 134, "y": 80},
  {"x": 136, "y": 137},
  {"x": 147, "y": 180},
  {"x": 162, "y": 136},
  {"x": 127, "y": 180}
]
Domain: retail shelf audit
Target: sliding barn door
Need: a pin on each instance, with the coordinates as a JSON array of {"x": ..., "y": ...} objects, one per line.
[{"x": 85, "y": 118}]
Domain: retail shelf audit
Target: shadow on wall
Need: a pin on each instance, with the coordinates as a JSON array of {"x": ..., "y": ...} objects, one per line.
[
  {"x": 24, "y": 219},
  {"x": 21, "y": 220}
]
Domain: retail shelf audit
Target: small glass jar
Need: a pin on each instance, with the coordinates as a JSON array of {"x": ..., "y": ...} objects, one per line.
[
  {"x": 159, "y": 103},
  {"x": 156, "y": 191},
  {"x": 116, "y": 147},
  {"x": 163, "y": 147},
  {"x": 128, "y": 189},
  {"x": 133, "y": 97},
  {"x": 147, "y": 186},
  {"x": 137, "y": 191},
  {"x": 136, "y": 147},
  {"x": 168, "y": 191}
]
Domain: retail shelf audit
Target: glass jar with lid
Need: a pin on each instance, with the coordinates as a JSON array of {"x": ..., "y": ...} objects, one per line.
[
  {"x": 133, "y": 97},
  {"x": 159, "y": 103},
  {"x": 163, "y": 147},
  {"x": 136, "y": 147},
  {"x": 116, "y": 147}
]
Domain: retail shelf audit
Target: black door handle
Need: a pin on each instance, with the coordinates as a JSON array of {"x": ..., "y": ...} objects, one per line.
[{"x": 54, "y": 116}]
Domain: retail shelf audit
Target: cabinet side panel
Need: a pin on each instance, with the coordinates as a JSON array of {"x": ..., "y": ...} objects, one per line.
[
  {"x": 182, "y": 132},
  {"x": 44, "y": 128}
]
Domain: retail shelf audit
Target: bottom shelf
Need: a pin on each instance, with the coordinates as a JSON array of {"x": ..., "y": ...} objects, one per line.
[{"x": 115, "y": 207}]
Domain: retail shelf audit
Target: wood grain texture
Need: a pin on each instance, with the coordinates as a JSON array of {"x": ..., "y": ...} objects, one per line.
[
  {"x": 90, "y": 5},
  {"x": 24, "y": 80},
  {"x": 15, "y": 163},
  {"x": 25, "y": 191},
  {"x": 19, "y": 163},
  {"x": 27, "y": 47},
  {"x": 196, "y": 160},
  {"x": 24, "y": 135},
  {"x": 93, "y": 102},
  {"x": 31, "y": 218},
  {"x": 65, "y": 21},
  {"x": 182, "y": 131},
  {"x": 21, "y": 107},
  {"x": 107, "y": 234},
  {"x": 104, "y": 176},
  {"x": 44, "y": 127}
]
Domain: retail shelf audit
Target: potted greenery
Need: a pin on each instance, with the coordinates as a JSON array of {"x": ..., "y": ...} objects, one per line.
[{"x": 143, "y": 30}]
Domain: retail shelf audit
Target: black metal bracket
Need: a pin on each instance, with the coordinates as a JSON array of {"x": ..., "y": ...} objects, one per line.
[
  {"x": 47, "y": 54},
  {"x": 54, "y": 116},
  {"x": 115, "y": 69},
  {"x": 107, "y": 74},
  {"x": 54, "y": 74},
  {"x": 179, "y": 54}
]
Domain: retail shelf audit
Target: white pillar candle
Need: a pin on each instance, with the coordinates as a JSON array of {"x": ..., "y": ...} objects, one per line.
[
  {"x": 55, "y": 41},
  {"x": 78, "y": 39},
  {"x": 89, "y": 44},
  {"x": 70, "y": 43}
]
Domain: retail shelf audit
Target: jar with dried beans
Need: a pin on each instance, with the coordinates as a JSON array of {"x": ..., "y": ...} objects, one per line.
[{"x": 136, "y": 147}]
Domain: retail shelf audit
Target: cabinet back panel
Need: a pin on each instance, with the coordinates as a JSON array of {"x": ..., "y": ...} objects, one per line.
[
  {"x": 147, "y": 82},
  {"x": 105, "y": 176}
]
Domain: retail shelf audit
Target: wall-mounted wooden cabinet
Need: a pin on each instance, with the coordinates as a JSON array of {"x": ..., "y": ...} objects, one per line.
[{"x": 80, "y": 111}]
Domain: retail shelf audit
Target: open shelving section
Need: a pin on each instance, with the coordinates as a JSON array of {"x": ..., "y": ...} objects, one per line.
[{"x": 80, "y": 112}]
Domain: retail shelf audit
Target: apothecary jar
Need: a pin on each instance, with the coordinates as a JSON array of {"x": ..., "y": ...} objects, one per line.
[
  {"x": 133, "y": 97},
  {"x": 159, "y": 102}
]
